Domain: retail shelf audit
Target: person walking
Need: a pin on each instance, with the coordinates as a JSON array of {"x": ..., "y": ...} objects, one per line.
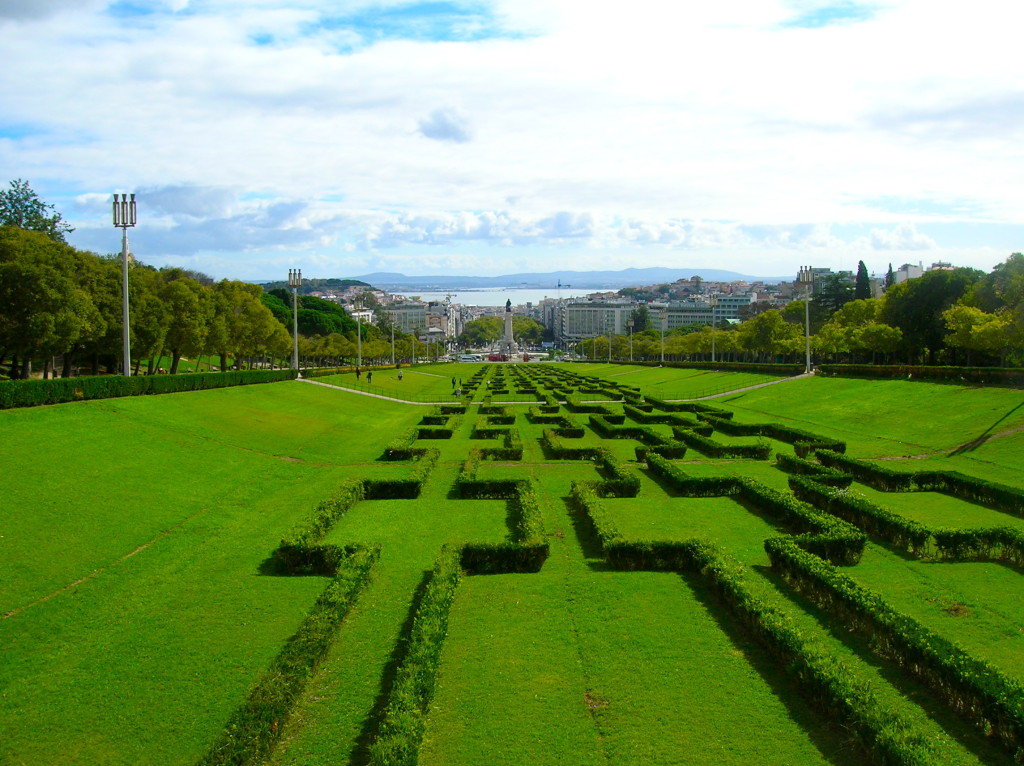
[{"x": 399, "y": 374}]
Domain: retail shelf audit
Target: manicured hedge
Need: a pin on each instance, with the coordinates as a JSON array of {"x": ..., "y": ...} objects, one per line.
[
  {"x": 31, "y": 393},
  {"x": 821, "y": 678},
  {"x": 253, "y": 729},
  {"x": 819, "y": 532},
  {"x": 977, "y": 690},
  {"x": 711, "y": 448},
  {"x": 300, "y": 551},
  {"x": 999, "y": 497},
  {"x": 966, "y": 376},
  {"x": 401, "y": 729},
  {"x": 804, "y": 442},
  {"x": 879, "y": 523},
  {"x": 554, "y": 448},
  {"x": 820, "y": 473}
]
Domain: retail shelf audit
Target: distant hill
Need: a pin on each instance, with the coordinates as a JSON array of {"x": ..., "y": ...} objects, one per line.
[
  {"x": 316, "y": 284},
  {"x": 576, "y": 279}
]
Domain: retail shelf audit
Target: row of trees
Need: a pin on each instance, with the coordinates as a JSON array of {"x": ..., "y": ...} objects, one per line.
[{"x": 957, "y": 316}]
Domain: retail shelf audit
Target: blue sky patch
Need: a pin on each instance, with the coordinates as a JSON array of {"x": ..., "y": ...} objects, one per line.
[
  {"x": 424, "y": 22},
  {"x": 840, "y": 13}
]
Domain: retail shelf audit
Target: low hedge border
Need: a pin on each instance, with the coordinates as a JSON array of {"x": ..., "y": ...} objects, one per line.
[
  {"x": 998, "y": 497},
  {"x": 554, "y": 448},
  {"x": 804, "y": 442},
  {"x": 964, "y": 376},
  {"x": 976, "y": 690},
  {"x": 255, "y": 727},
  {"x": 33, "y": 393},
  {"x": 824, "y": 534},
  {"x": 406, "y": 488},
  {"x": 999, "y": 544},
  {"x": 300, "y": 552},
  {"x": 708, "y": 446},
  {"x": 820, "y": 473},
  {"x": 821, "y": 678},
  {"x": 403, "y": 722}
]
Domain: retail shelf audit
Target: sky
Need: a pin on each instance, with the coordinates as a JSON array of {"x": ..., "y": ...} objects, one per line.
[{"x": 345, "y": 137}]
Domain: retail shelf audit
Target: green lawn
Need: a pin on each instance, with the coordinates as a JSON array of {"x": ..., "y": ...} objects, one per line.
[{"x": 139, "y": 611}]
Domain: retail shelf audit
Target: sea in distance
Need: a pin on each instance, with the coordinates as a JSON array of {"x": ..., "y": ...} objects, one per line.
[{"x": 497, "y": 296}]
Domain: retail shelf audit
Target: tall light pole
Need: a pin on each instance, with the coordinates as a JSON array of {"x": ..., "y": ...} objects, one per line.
[
  {"x": 124, "y": 217},
  {"x": 713, "y": 300},
  {"x": 806, "y": 278},
  {"x": 664, "y": 321},
  {"x": 392, "y": 341},
  {"x": 295, "y": 282},
  {"x": 358, "y": 305}
]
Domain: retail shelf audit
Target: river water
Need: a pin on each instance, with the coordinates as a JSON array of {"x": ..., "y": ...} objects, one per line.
[{"x": 497, "y": 296}]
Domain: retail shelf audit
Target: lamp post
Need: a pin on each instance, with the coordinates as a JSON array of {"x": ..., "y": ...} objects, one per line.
[
  {"x": 806, "y": 278},
  {"x": 392, "y": 341},
  {"x": 295, "y": 282},
  {"x": 664, "y": 320},
  {"x": 358, "y": 305},
  {"x": 713, "y": 300},
  {"x": 124, "y": 218}
]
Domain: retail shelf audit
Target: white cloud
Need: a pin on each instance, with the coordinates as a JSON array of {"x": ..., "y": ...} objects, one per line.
[
  {"x": 695, "y": 128},
  {"x": 903, "y": 237}
]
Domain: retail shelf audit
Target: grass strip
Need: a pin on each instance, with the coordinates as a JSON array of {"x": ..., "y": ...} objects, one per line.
[
  {"x": 401, "y": 729},
  {"x": 821, "y": 677},
  {"x": 254, "y": 728}
]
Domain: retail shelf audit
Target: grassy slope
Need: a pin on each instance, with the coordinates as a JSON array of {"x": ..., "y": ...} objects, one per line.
[
  {"x": 215, "y": 478},
  {"x": 143, "y": 662}
]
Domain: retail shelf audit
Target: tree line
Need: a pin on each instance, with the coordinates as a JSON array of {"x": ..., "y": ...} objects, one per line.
[{"x": 957, "y": 316}]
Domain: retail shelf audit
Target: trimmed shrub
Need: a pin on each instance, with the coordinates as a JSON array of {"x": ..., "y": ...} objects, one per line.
[
  {"x": 253, "y": 728},
  {"x": 32, "y": 393},
  {"x": 977, "y": 690},
  {"x": 404, "y": 720}
]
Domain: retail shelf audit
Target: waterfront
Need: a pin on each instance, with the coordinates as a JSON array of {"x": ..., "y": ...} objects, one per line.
[{"x": 497, "y": 296}]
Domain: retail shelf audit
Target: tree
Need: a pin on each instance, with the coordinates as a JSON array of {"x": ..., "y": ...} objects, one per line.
[
  {"x": 482, "y": 332},
  {"x": 768, "y": 334},
  {"x": 890, "y": 278},
  {"x": 916, "y": 308},
  {"x": 526, "y": 331},
  {"x": 862, "y": 285},
  {"x": 641, "y": 318},
  {"x": 19, "y": 206},
  {"x": 191, "y": 310},
  {"x": 835, "y": 291}
]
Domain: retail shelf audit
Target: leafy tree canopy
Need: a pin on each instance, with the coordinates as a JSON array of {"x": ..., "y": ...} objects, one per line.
[{"x": 21, "y": 207}]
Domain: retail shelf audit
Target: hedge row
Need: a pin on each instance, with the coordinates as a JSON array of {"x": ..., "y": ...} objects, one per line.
[
  {"x": 401, "y": 448},
  {"x": 821, "y": 533},
  {"x": 822, "y": 679},
  {"x": 1002, "y": 544},
  {"x": 999, "y": 497},
  {"x": 300, "y": 551},
  {"x": 696, "y": 407},
  {"x": 969, "y": 376},
  {"x": 404, "y": 719},
  {"x": 575, "y": 404},
  {"x": 606, "y": 428},
  {"x": 879, "y": 523},
  {"x": 617, "y": 479},
  {"x": 554, "y": 448},
  {"x": 804, "y": 442},
  {"x": 820, "y": 473},
  {"x": 253, "y": 728},
  {"x": 406, "y": 488},
  {"x": 512, "y": 443},
  {"x": 32, "y": 393},
  {"x": 707, "y": 446},
  {"x": 977, "y": 690}
]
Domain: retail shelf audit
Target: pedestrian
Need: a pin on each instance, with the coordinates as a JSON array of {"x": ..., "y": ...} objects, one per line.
[
  {"x": 357, "y": 373},
  {"x": 399, "y": 374},
  {"x": 369, "y": 377},
  {"x": 453, "y": 382}
]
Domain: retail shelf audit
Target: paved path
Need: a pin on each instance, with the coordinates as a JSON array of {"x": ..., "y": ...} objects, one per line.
[{"x": 434, "y": 404}]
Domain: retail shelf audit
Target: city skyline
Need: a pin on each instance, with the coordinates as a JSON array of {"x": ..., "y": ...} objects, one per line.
[{"x": 501, "y": 136}]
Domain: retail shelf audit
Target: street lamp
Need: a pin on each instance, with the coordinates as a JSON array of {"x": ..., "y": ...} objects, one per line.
[
  {"x": 713, "y": 300},
  {"x": 806, "y": 278},
  {"x": 295, "y": 282},
  {"x": 124, "y": 218},
  {"x": 357, "y": 304},
  {"x": 664, "y": 319}
]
